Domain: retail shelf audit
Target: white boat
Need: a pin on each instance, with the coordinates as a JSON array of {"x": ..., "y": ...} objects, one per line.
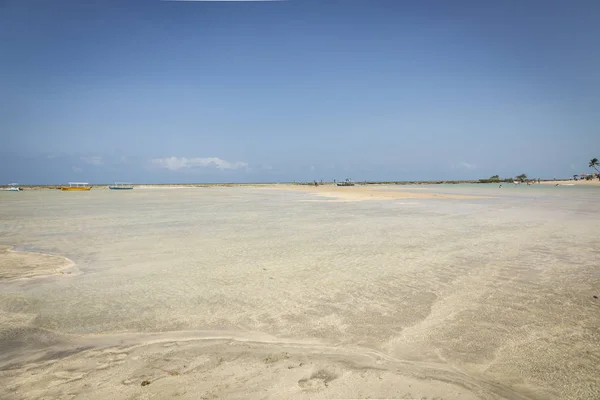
[
  {"x": 13, "y": 187},
  {"x": 121, "y": 186}
]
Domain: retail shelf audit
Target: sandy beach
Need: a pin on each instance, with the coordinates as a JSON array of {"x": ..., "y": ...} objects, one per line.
[
  {"x": 300, "y": 292},
  {"x": 370, "y": 192},
  {"x": 593, "y": 182}
]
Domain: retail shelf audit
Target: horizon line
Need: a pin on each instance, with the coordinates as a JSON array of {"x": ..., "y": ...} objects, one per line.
[{"x": 254, "y": 1}]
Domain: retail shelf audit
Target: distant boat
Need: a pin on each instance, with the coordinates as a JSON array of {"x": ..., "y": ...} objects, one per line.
[
  {"x": 76, "y": 186},
  {"x": 13, "y": 187},
  {"x": 121, "y": 186}
]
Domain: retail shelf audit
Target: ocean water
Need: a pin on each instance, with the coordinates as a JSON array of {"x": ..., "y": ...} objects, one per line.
[{"x": 501, "y": 284}]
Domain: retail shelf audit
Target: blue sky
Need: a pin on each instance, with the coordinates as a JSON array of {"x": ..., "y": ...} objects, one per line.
[{"x": 152, "y": 91}]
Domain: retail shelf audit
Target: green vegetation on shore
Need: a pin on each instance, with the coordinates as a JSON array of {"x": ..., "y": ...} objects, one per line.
[{"x": 497, "y": 179}]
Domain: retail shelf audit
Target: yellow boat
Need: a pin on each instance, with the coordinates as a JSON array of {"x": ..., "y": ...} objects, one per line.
[{"x": 76, "y": 186}]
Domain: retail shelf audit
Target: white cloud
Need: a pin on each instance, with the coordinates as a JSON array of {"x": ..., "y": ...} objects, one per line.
[
  {"x": 467, "y": 165},
  {"x": 76, "y": 169},
  {"x": 177, "y": 163},
  {"x": 93, "y": 160}
]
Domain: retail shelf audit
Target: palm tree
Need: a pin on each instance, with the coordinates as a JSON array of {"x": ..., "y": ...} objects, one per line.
[{"x": 595, "y": 164}]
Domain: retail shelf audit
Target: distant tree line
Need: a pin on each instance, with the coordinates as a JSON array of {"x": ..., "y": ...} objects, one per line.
[
  {"x": 594, "y": 163},
  {"x": 497, "y": 179}
]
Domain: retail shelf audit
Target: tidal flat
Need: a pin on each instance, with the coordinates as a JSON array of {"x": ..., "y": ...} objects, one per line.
[{"x": 435, "y": 292}]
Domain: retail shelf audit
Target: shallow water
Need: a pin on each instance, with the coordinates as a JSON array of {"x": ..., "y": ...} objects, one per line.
[{"x": 500, "y": 286}]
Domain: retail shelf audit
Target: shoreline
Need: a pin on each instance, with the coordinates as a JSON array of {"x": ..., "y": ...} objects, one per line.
[{"x": 104, "y": 186}]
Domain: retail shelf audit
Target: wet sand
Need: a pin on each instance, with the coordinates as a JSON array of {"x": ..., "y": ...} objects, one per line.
[{"x": 451, "y": 292}]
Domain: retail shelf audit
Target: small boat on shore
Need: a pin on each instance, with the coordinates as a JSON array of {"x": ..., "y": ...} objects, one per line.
[
  {"x": 121, "y": 186},
  {"x": 13, "y": 187},
  {"x": 76, "y": 187}
]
